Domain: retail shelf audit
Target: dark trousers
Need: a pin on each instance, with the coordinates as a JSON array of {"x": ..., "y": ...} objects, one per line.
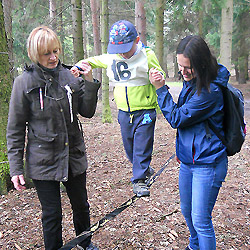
[
  {"x": 50, "y": 199},
  {"x": 137, "y": 129}
]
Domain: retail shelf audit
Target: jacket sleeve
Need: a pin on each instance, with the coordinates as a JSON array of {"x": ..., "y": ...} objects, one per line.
[
  {"x": 88, "y": 98},
  {"x": 98, "y": 61},
  {"x": 16, "y": 127},
  {"x": 153, "y": 61},
  {"x": 195, "y": 110}
]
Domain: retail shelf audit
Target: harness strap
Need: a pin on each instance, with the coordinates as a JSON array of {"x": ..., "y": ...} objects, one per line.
[{"x": 90, "y": 231}]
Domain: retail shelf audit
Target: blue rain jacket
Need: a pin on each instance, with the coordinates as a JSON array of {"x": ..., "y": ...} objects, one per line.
[{"x": 189, "y": 116}]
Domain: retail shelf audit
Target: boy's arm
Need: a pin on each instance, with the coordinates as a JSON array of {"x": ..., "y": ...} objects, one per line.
[
  {"x": 153, "y": 61},
  {"x": 98, "y": 61},
  {"x": 94, "y": 62}
]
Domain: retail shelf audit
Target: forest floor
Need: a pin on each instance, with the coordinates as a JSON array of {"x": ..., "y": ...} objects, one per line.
[{"x": 151, "y": 223}]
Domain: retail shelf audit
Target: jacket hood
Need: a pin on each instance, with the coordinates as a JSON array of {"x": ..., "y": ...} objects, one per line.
[{"x": 223, "y": 76}]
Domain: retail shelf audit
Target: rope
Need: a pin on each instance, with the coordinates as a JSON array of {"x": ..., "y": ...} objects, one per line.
[{"x": 91, "y": 230}]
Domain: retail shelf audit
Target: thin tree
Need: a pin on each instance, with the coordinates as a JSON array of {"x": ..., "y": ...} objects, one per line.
[
  {"x": 52, "y": 14},
  {"x": 77, "y": 30},
  {"x": 159, "y": 22},
  {"x": 7, "y": 8},
  {"x": 60, "y": 28},
  {"x": 140, "y": 20},
  {"x": 226, "y": 34},
  {"x": 84, "y": 33},
  {"x": 200, "y": 17},
  {"x": 5, "y": 90},
  {"x": 106, "y": 111},
  {"x": 95, "y": 10},
  {"x": 244, "y": 28}
]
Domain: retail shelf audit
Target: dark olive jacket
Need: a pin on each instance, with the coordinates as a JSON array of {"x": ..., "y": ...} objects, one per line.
[{"x": 43, "y": 116}]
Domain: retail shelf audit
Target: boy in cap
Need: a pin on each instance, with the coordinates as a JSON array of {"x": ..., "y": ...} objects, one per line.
[{"x": 128, "y": 62}]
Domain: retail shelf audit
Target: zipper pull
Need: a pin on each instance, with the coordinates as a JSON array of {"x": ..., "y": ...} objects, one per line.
[{"x": 131, "y": 118}]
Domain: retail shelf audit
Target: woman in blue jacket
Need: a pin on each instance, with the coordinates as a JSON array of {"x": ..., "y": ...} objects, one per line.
[{"x": 201, "y": 153}]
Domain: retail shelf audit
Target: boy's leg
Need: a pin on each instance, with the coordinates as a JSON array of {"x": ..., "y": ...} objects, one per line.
[
  {"x": 127, "y": 126},
  {"x": 143, "y": 144},
  {"x": 137, "y": 130}
]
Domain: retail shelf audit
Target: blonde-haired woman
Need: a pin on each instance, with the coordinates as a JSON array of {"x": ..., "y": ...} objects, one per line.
[{"x": 46, "y": 99}]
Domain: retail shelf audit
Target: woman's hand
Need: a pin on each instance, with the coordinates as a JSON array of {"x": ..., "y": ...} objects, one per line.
[
  {"x": 19, "y": 182},
  {"x": 83, "y": 68},
  {"x": 156, "y": 78}
]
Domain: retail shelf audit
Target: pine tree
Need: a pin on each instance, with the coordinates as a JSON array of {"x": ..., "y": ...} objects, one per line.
[{"x": 5, "y": 90}]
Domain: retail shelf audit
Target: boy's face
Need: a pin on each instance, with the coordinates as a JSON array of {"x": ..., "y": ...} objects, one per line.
[{"x": 130, "y": 53}]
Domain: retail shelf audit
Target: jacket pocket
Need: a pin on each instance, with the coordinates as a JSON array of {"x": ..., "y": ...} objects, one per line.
[
  {"x": 77, "y": 151},
  {"x": 40, "y": 106},
  {"x": 41, "y": 150}
]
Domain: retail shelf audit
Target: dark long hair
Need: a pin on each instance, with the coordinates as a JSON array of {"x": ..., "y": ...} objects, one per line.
[{"x": 203, "y": 63}]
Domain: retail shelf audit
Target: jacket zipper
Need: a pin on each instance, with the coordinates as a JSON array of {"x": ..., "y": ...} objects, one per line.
[
  {"x": 130, "y": 115},
  {"x": 126, "y": 91}
]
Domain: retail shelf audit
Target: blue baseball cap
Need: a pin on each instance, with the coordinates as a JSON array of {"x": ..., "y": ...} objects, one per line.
[{"x": 121, "y": 37}]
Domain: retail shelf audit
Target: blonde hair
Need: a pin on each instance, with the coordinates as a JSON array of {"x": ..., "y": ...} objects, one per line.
[{"x": 41, "y": 40}]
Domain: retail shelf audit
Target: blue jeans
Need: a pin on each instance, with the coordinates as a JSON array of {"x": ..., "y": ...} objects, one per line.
[{"x": 199, "y": 187}]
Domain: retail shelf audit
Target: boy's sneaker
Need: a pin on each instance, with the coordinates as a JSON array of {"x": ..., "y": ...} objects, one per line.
[
  {"x": 92, "y": 247},
  {"x": 140, "y": 188},
  {"x": 89, "y": 247}
]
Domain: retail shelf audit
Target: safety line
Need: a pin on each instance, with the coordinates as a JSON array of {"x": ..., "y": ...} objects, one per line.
[{"x": 90, "y": 231}]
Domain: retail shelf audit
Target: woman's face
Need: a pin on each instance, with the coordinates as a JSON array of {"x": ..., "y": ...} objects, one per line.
[
  {"x": 185, "y": 67},
  {"x": 49, "y": 59}
]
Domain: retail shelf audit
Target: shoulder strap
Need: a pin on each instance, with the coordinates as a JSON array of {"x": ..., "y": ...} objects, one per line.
[{"x": 214, "y": 129}]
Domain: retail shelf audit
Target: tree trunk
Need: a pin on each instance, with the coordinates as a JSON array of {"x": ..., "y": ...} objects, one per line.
[
  {"x": 7, "y": 8},
  {"x": 95, "y": 9},
  {"x": 61, "y": 29},
  {"x": 226, "y": 34},
  {"x": 52, "y": 14},
  {"x": 159, "y": 30},
  {"x": 84, "y": 33},
  {"x": 200, "y": 14},
  {"x": 140, "y": 20},
  {"x": 5, "y": 90},
  {"x": 77, "y": 30},
  {"x": 244, "y": 47},
  {"x": 106, "y": 111}
]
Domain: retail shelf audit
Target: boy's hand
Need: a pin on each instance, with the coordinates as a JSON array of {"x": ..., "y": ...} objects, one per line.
[{"x": 83, "y": 68}]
